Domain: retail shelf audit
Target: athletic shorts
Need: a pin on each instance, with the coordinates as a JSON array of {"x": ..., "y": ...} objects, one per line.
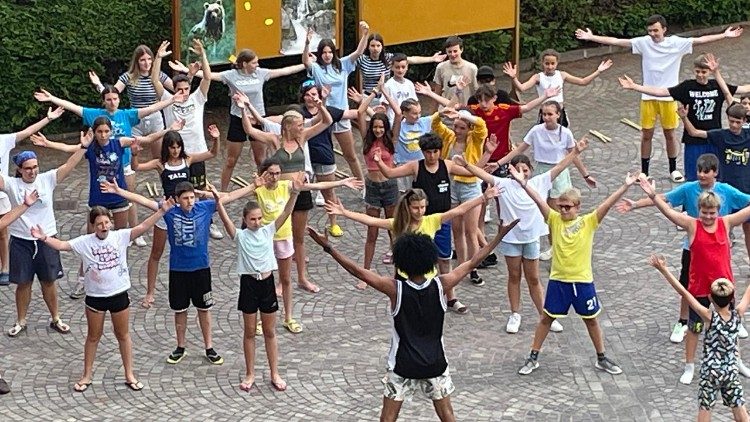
[
  {"x": 720, "y": 380},
  {"x": 399, "y": 388},
  {"x": 283, "y": 249},
  {"x": 562, "y": 120},
  {"x": 560, "y": 184},
  {"x": 343, "y": 125},
  {"x": 690, "y": 159},
  {"x": 236, "y": 133},
  {"x": 198, "y": 175},
  {"x": 148, "y": 125},
  {"x": 304, "y": 201},
  {"x": 528, "y": 251},
  {"x": 685, "y": 270},
  {"x": 33, "y": 257},
  {"x": 323, "y": 169},
  {"x": 443, "y": 240},
  {"x": 190, "y": 286},
  {"x": 561, "y": 295},
  {"x": 257, "y": 295},
  {"x": 695, "y": 322},
  {"x": 113, "y": 304},
  {"x": 381, "y": 194},
  {"x": 464, "y": 192},
  {"x": 665, "y": 111}
]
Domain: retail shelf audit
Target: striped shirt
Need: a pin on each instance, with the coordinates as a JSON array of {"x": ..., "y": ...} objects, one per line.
[
  {"x": 372, "y": 69},
  {"x": 141, "y": 94}
]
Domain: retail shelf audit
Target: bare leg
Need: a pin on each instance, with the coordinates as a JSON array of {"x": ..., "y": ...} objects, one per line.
[
  {"x": 152, "y": 267},
  {"x": 595, "y": 333},
  {"x": 346, "y": 141},
  {"x": 259, "y": 152},
  {"x": 647, "y": 135},
  {"x": 444, "y": 409},
  {"x": 514, "y": 282},
  {"x": 23, "y": 299},
  {"x": 180, "y": 327},
  {"x": 691, "y": 344},
  {"x": 120, "y": 219},
  {"x": 459, "y": 242},
  {"x": 299, "y": 225},
  {"x": 285, "y": 278},
  {"x": 248, "y": 346},
  {"x": 4, "y": 254},
  {"x": 49, "y": 294},
  {"x": 234, "y": 149},
  {"x": 95, "y": 323},
  {"x": 444, "y": 265},
  {"x": 372, "y": 237},
  {"x": 673, "y": 145},
  {"x": 531, "y": 271},
  {"x": 133, "y": 211},
  {"x": 204, "y": 318},
  {"x": 541, "y": 332},
  {"x": 739, "y": 413},
  {"x": 328, "y": 194},
  {"x": 272, "y": 348},
  {"x": 390, "y": 411},
  {"x": 121, "y": 326}
]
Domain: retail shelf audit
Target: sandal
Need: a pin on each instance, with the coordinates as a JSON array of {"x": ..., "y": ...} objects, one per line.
[
  {"x": 60, "y": 326},
  {"x": 292, "y": 326},
  {"x": 16, "y": 329},
  {"x": 80, "y": 387},
  {"x": 135, "y": 385}
]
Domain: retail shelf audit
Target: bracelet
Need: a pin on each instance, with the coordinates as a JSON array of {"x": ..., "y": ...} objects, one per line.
[
  {"x": 327, "y": 249},
  {"x": 652, "y": 196},
  {"x": 587, "y": 176}
]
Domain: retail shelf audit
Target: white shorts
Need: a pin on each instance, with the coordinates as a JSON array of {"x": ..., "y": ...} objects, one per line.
[
  {"x": 161, "y": 224},
  {"x": 148, "y": 125},
  {"x": 343, "y": 125}
]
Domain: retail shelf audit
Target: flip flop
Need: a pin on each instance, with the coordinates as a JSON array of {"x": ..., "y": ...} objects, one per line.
[
  {"x": 60, "y": 326},
  {"x": 135, "y": 385},
  {"x": 16, "y": 329},
  {"x": 80, "y": 387},
  {"x": 247, "y": 386},
  {"x": 279, "y": 386}
]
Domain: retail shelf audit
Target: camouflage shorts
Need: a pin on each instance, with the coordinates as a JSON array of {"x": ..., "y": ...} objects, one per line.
[{"x": 399, "y": 388}]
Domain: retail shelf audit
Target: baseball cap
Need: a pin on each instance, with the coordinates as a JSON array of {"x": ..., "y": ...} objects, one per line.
[{"x": 485, "y": 72}]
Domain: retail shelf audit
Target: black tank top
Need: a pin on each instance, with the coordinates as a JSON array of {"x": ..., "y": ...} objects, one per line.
[
  {"x": 417, "y": 344},
  {"x": 172, "y": 175},
  {"x": 437, "y": 187}
]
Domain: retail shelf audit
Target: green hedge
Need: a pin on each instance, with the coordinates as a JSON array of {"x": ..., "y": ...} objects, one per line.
[{"x": 54, "y": 43}]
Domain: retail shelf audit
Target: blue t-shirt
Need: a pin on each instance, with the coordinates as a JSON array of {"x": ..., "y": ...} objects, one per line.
[
  {"x": 188, "y": 236},
  {"x": 321, "y": 145},
  {"x": 407, "y": 147},
  {"x": 122, "y": 124},
  {"x": 734, "y": 156},
  {"x": 335, "y": 80},
  {"x": 105, "y": 163},
  {"x": 686, "y": 196}
]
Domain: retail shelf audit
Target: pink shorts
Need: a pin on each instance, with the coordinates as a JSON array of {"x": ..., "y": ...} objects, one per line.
[{"x": 283, "y": 249}]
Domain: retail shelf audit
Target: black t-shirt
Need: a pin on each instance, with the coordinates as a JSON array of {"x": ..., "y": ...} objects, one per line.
[
  {"x": 704, "y": 104},
  {"x": 437, "y": 187},
  {"x": 321, "y": 145}
]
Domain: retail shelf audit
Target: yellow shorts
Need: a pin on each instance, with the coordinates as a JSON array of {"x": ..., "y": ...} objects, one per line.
[{"x": 666, "y": 111}]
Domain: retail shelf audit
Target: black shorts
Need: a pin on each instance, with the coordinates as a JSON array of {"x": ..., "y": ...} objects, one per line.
[
  {"x": 695, "y": 323},
  {"x": 236, "y": 132},
  {"x": 304, "y": 201},
  {"x": 113, "y": 304},
  {"x": 198, "y": 175},
  {"x": 257, "y": 295},
  {"x": 685, "y": 270},
  {"x": 33, "y": 257},
  {"x": 562, "y": 120},
  {"x": 190, "y": 286}
]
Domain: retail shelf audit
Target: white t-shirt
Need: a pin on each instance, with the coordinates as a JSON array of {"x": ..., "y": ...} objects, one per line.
[
  {"x": 516, "y": 203},
  {"x": 41, "y": 212},
  {"x": 550, "y": 146},
  {"x": 547, "y": 82},
  {"x": 191, "y": 111},
  {"x": 255, "y": 250},
  {"x": 661, "y": 61},
  {"x": 7, "y": 143},
  {"x": 399, "y": 91},
  {"x": 105, "y": 262}
]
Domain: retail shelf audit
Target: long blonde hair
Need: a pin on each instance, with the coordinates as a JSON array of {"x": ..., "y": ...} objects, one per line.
[
  {"x": 402, "y": 219},
  {"x": 134, "y": 71},
  {"x": 289, "y": 117}
]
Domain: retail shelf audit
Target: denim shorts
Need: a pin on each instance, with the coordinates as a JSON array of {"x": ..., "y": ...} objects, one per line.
[
  {"x": 464, "y": 192},
  {"x": 526, "y": 250},
  {"x": 323, "y": 169},
  {"x": 560, "y": 184},
  {"x": 343, "y": 125},
  {"x": 381, "y": 194}
]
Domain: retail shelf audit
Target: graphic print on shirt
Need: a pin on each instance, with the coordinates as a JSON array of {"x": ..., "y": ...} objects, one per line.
[
  {"x": 107, "y": 257},
  {"x": 736, "y": 157},
  {"x": 107, "y": 165},
  {"x": 184, "y": 231},
  {"x": 574, "y": 228},
  {"x": 704, "y": 104},
  {"x": 443, "y": 186},
  {"x": 183, "y": 110},
  {"x": 412, "y": 140}
]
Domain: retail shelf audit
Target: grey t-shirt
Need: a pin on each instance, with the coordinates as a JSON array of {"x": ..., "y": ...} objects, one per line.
[{"x": 251, "y": 85}]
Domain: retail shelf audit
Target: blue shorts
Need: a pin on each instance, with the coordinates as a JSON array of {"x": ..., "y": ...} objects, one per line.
[
  {"x": 690, "y": 159},
  {"x": 443, "y": 240},
  {"x": 561, "y": 295},
  {"x": 464, "y": 192}
]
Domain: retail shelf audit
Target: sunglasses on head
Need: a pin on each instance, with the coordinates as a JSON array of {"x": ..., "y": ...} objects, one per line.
[{"x": 308, "y": 83}]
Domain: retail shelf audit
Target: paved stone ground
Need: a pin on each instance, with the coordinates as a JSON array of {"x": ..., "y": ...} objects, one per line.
[{"x": 334, "y": 367}]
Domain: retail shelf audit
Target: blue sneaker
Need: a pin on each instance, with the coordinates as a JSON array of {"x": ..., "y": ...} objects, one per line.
[{"x": 4, "y": 279}]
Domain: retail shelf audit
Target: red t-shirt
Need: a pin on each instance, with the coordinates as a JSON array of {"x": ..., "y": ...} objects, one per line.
[
  {"x": 710, "y": 258},
  {"x": 498, "y": 122}
]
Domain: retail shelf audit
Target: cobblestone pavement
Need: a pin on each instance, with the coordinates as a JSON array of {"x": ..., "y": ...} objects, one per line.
[{"x": 334, "y": 367}]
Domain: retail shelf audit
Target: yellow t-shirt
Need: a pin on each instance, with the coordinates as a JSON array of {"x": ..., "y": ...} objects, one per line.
[
  {"x": 572, "y": 243},
  {"x": 429, "y": 225},
  {"x": 272, "y": 203}
]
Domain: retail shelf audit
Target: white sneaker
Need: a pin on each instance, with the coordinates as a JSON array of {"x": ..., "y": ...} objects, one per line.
[
  {"x": 556, "y": 327},
  {"x": 676, "y": 177},
  {"x": 678, "y": 333},
  {"x": 546, "y": 255},
  {"x": 514, "y": 323},
  {"x": 743, "y": 332},
  {"x": 214, "y": 232},
  {"x": 744, "y": 370},
  {"x": 319, "y": 200},
  {"x": 79, "y": 291},
  {"x": 140, "y": 241},
  {"x": 687, "y": 375}
]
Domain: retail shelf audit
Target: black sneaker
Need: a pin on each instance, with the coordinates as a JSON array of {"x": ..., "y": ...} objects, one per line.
[
  {"x": 214, "y": 357},
  {"x": 453, "y": 255},
  {"x": 475, "y": 279},
  {"x": 486, "y": 263},
  {"x": 176, "y": 356}
]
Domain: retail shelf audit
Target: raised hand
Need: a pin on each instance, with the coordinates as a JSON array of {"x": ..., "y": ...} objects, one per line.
[
  {"x": 298, "y": 181},
  {"x": 439, "y": 56},
  {"x": 178, "y": 66},
  {"x": 354, "y": 95},
  {"x": 712, "y": 62},
  {"x": 657, "y": 261},
  {"x": 167, "y": 204},
  {"x": 422, "y": 88},
  {"x": 241, "y": 99},
  {"x": 194, "y": 68},
  {"x": 177, "y": 125},
  {"x": 30, "y": 197},
  {"x": 309, "y": 35},
  {"x": 492, "y": 192},
  {"x": 516, "y": 175},
  {"x": 196, "y": 46},
  {"x": 211, "y": 188},
  {"x": 553, "y": 91},
  {"x": 582, "y": 144},
  {"x": 325, "y": 90},
  {"x": 584, "y": 35},
  {"x": 590, "y": 181},
  {"x": 626, "y": 82},
  {"x": 462, "y": 82},
  {"x": 733, "y": 32},
  {"x": 450, "y": 112},
  {"x": 54, "y": 114},
  {"x": 376, "y": 154},
  {"x": 510, "y": 69},
  {"x": 37, "y": 232},
  {"x": 491, "y": 167},
  {"x": 43, "y": 96},
  {"x": 180, "y": 98},
  {"x": 87, "y": 137},
  {"x": 364, "y": 28},
  {"x": 320, "y": 239},
  {"x": 353, "y": 183},
  {"x": 644, "y": 183},
  {"x": 109, "y": 187},
  {"x": 604, "y": 65},
  {"x": 490, "y": 145},
  {"x": 459, "y": 159},
  {"x": 334, "y": 208},
  {"x": 94, "y": 78},
  {"x": 163, "y": 50},
  {"x": 631, "y": 178},
  {"x": 213, "y": 131},
  {"x": 625, "y": 205},
  {"x": 40, "y": 140},
  {"x": 260, "y": 179}
]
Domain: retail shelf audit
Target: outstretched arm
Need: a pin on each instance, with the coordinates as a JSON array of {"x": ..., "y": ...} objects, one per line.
[
  {"x": 288, "y": 207},
  {"x": 604, "y": 207},
  {"x": 36, "y": 127},
  {"x": 18, "y": 211},
  {"x": 335, "y": 208},
  {"x": 713, "y": 64},
  {"x": 627, "y": 83},
  {"x": 307, "y": 60},
  {"x": 534, "y": 195},
  {"x": 161, "y": 52},
  {"x": 111, "y": 187},
  {"x": 364, "y": 29},
  {"x": 678, "y": 218},
  {"x": 40, "y": 140},
  {"x": 46, "y": 97},
  {"x": 691, "y": 130},
  {"x": 452, "y": 279},
  {"x": 535, "y": 103},
  {"x": 215, "y": 135},
  {"x": 52, "y": 242},
  {"x": 408, "y": 169},
  {"x": 587, "y": 35},
  {"x": 573, "y": 154},
  {"x": 462, "y": 209},
  {"x": 64, "y": 170},
  {"x": 739, "y": 217},
  {"x": 731, "y": 32},
  {"x": 658, "y": 262},
  {"x": 426, "y": 90},
  {"x": 512, "y": 71},
  {"x": 382, "y": 284},
  {"x": 146, "y": 224},
  {"x": 474, "y": 170},
  {"x": 604, "y": 65}
]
